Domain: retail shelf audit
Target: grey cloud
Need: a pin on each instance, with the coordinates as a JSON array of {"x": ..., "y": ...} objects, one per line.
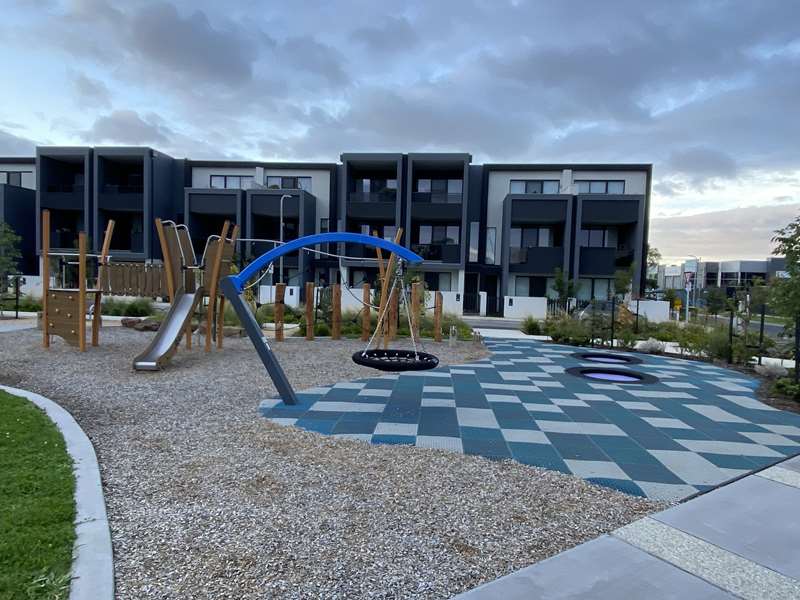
[
  {"x": 394, "y": 34},
  {"x": 14, "y": 145},
  {"x": 703, "y": 162},
  {"x": 127, "y": 127},
  {"x": 712, "y": 235},
  {"x": 91, "y": 92},
  {"x": 310, "y": 55}
]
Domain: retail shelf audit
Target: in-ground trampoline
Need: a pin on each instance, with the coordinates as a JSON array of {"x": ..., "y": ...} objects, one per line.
[{"x": 690, "y": 427}]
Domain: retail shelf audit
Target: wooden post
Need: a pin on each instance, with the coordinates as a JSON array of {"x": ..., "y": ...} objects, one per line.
[
  {"x": 385, "y": 287},
  {"x": 415, "y": 310},
  {"x": 221, "y": 322},
  {"x": 394, "y": 313},
  {"x": 365, "y": 314},
  {"x": 280, "y": 292},
  {"x": 82, "y": 291},
  {"x": 437, "y": 316},
  {"x": 336, "y": 311},
  {"x": 102, "y": 267},
  {"x": 212, "y": 287},
  {"x": 162, "y": 239},
  {"x": 310, "y": 310},
  {"x": 45, "y": 278}
]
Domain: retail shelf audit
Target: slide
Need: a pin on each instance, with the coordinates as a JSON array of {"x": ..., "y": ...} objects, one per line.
[{"x": 169, "y": 334}]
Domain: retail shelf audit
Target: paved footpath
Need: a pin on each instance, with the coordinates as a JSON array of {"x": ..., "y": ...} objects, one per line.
[{"x": 739, "y": 541}]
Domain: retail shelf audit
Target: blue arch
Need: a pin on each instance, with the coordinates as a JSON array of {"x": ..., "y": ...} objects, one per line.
[{"x": 254, "y": 267}]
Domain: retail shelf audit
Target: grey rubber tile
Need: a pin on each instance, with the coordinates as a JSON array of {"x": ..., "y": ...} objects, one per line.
[
  {"x": 715, "y": 565},
  {"x": 792, "y": 464},
  {"x": 781, "y": 475},
  {"x": 605, "y": 568}
]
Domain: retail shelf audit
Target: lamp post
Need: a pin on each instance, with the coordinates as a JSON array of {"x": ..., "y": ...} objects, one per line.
[
  {"x": 280, "y": 271},
  {"x": 693, "y": 283}
]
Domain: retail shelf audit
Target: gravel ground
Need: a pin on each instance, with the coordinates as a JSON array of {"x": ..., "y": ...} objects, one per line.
[{"x": 206, "y": 500}]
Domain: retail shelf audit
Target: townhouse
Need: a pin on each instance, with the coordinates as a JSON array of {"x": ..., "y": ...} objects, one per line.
[{"x": 487, "y": 232}]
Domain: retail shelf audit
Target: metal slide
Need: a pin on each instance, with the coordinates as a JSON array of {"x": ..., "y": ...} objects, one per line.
[{"x": 169, "y": 334}]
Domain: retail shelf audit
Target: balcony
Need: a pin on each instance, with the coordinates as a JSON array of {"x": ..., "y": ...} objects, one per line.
[
  {"x": 386, "y": 196},
  {"x": 598, "y": 261},
  {"x": 536, "y": 260},
  {"x": 449, "y": 253},
  {"x": 432, "y": 206},
  {"x": 437, "y": 197},
  {"x": 607, "y": 211},
  {"x": 372, "y": 205}
]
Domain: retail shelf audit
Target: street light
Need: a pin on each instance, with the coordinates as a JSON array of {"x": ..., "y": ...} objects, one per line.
[
  {"x": 694, "y": 282},
  {"x": 280, "y": 272}
]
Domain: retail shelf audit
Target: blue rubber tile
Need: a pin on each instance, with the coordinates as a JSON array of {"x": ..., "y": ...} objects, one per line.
[
  {"x": 365, "y": 426},
  {"x": 318, "y": 425},
  {"x": 488, "y": 448},
  {"x": 656, "y": 473},
  {"x": 438, "y": 420},
  {"x": 729, "y": 461},
  {"x": 548, "y": 416},
  {"x": 361, "y": 416},
  {"x": 341, "y": 395},
  {"x": 583, "y": 414},
  {"x": 399, "y": 440},
  {"x": 616, "y": 442},
  {"x": 523, "y": 423},
  {"x": 576, "y": 447},
  {"x": 763, "y": 461},
  {"x": 323, "y": 415},
  {"x": 538, "y": 455},
  {"x": 683, "y": 434},
  {"x": 630, "y": 455},
  {"x": 482, "y": 433},
  {"x": 653, "y": 440},
  {"x": 621, "y": 485}
]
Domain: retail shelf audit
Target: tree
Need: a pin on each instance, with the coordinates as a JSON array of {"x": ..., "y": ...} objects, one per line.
[
  {"x": 715, "y": 300},
  {"x": 622, "y": 281},
  {"x": 785, "y": 292},
  {"x": 653, "y": 256},
  {"x": 670, "y": 296},
  {"x": 563, "y": 286},
  {"x": 9, "y": 253}
]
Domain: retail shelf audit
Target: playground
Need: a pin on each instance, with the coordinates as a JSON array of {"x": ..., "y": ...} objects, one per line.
[{"x": 482, "y": 457}]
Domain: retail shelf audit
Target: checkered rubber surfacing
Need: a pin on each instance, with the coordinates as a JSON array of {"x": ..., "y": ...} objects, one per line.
[{"x": 697, "y": 427}]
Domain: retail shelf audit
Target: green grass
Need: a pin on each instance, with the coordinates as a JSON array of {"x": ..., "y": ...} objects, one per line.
[{"x": 37, "y": 506}]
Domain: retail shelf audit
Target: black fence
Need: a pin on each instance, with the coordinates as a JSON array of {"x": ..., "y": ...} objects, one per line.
[{"x": 11, "y": 293}]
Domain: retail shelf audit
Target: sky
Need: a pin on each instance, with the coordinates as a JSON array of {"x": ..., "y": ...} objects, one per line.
[{"x": 706, "y": 91}]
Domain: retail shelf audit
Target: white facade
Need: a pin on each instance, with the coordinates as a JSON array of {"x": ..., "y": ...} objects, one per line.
[
  {"x": 201, "y": 176},
  {"x": 28, "y": 173},
  {"x": 519, "y": 307},
  {"x": 320, "y": 187}
]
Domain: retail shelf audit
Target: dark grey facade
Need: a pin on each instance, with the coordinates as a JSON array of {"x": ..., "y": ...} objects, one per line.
[{"x": 18, "y": 211}]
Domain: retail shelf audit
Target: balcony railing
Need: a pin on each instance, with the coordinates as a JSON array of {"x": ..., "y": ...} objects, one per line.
[
  {"x": 386, "y": 196},
  {"x": 111, "y": 188},
  {"x": 64, "y": 188},
  {"x": 441, "y": 252},
  {"x": 437, "y": 197}
]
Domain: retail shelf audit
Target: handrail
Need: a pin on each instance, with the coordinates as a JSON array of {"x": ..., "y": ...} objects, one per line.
[{"x": 320, "y": 238}]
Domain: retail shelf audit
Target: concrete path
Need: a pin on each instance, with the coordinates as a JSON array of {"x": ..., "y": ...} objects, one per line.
[{"x": 739, "y": 541}]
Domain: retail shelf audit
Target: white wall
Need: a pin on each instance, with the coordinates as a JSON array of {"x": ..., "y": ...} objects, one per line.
[
  {"x": 349, "y": 302},
  {"x": 266, "y": 295},
  {"x": 519, "y": 307},
  {"x": 656, "y": 311},
  {"x": 28, "y": 174},
  {"x": 452, "y": 302},
  {"x": 201, "y": 176},
  {"x": 320, "y": 187}
]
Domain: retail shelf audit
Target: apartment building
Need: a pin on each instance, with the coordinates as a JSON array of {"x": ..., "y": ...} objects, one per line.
[
  {"x": 485, "y": 231},
  {"x": 728, "y": 274}
]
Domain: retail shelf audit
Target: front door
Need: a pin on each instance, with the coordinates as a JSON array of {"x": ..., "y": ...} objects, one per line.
[
  {"x": 471, "y": 298},
  {"x": 492, "y": 299}
]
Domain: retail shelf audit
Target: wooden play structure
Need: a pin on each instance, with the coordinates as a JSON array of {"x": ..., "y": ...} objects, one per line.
[
  {"x": 189, "y": 285},
  {"x": 64, "y": 308}
]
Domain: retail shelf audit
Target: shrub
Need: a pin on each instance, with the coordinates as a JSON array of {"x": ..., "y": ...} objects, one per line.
[
  {"x": 26, "y": 304},
  {"x": 652, "y": 346},
  {"x": 626, "y": 338},
  {"x": 668, "y": 331},
  {"x": 567, "y": 330},
  {"x": 322, "y": 329},
  {"x": 717, "y": 345},
  {"x": 785, "y": 386},
  {"x": 692, "y": 339},
  {"x": 139, "y": 307},
  {"x": 530, "y": 326}
]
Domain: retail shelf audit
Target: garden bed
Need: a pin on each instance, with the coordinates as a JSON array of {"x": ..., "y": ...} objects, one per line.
[{"x": 207, "y": 500}]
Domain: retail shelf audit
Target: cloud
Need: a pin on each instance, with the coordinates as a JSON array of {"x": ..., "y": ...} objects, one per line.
[
  {"x": 14, "y": 145},
  {"x": 703, "y": 162},
  {"x": 91, "y": 92},
  {"x": 738, "y": 233},
  {"x": 392, "y": 35},
  {"x": 127, "y": 127}
]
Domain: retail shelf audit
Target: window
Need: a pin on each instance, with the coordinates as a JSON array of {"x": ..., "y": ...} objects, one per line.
[
  {"x": 389, "y": 231},
  {"x": 474, "y": 235},
  {"x": 531, "y": 237},
  {"x": 491, "y": 239},
  {"x": 455, "y": 186},
  {"x": 522, "y": 286},
  {"x": 452, "y": 234},
  {"x": 445, "y": 282},
  {"x": 391, "y": 184},
  {"x": 277, "y": 182},
  {"x": 232, "y": 182},
  {"x": 365, "y": 230},
  {"x": 423, "y": 185},
  {"x": 598, "y": 238},
  {"x": 601, "y": 187},
  {"x": 425, "y": 234},
  {"x": 323, "y": 225},
  {"x": 534, "y": 186},
  {"x": 14, "y": 178}
]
